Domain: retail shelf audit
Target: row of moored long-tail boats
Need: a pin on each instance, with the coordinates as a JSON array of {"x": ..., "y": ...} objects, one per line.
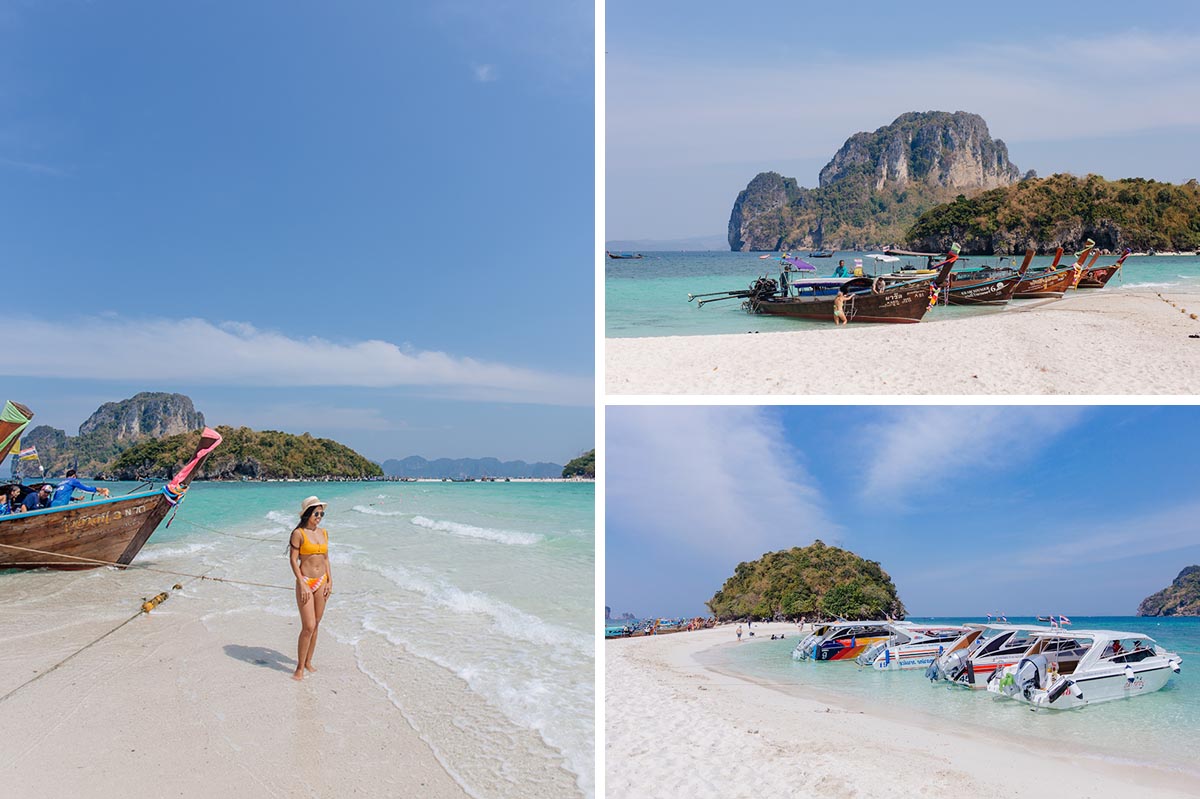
[
  {"x": 1044, "y": 666},
  {"x": 906, "y": 294}
]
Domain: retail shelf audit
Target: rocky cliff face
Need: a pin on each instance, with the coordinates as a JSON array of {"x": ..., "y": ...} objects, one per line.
[
  {"x": 1180, "y": 598},
  {"x": 875, "y": 186},
  {"x": 150, "y": 414},
  {"x": 934, "y": 148},
  {"x": 113, "y": 428}
]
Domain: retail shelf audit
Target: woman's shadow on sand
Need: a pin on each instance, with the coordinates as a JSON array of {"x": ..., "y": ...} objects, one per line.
[{"x": 261, "y": 656}]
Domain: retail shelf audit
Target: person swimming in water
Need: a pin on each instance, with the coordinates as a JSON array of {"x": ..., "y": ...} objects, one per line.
[{"x": 308, "y": 554}]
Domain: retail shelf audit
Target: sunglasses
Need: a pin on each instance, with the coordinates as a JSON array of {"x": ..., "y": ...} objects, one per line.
[{"x": 318, "y": 513}]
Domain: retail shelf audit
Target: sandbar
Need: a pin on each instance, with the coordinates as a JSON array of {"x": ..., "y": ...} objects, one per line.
[
  {"x": 675, "y": 727},
  {"x": 187, "y": 701},
  {"x": 1120, "y": 341}
]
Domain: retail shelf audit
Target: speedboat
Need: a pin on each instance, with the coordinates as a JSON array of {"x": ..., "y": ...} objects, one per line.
[
  {"x": 1110, "y": 665},
  {"x": 910, "y": 647},
  {"x": 983, "y": 649},
  {"x": 842, "y": 640}
]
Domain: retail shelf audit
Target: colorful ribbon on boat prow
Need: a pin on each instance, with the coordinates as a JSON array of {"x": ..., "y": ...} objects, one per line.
[{"x": 174, "y": 493}]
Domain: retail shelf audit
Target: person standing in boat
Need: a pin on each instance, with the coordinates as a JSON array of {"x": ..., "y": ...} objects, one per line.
[
  {"x": 308, "y": 555},
  {"x": 66, "y": 489},
  {"x": 841, "y": 270}
]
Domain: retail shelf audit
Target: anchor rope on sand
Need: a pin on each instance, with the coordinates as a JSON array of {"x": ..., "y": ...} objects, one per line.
[{"x": 145, "y": 608}]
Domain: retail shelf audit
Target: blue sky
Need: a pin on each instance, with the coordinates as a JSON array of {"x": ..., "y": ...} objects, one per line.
[
  {"x": 373, "y": 221},
  {"x": 700, "y": 98},
  {"x": 971, "y": 510}
]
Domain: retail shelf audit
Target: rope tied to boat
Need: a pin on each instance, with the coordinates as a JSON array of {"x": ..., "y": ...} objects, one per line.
[
  {"x": 98, "y": 562},
  {"x": 174, "y": 494}
]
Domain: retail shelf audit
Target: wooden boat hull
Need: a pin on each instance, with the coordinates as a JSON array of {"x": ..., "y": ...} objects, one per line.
[
  {"x": 996, "y": 291},
  {"x": 86, "y": 535},
  {"x": 1040, "y": 285},
  {"x": 112, "y": 531},
  {"x": 1098, "y": 277},
  {"x": 905, "y": 303}
]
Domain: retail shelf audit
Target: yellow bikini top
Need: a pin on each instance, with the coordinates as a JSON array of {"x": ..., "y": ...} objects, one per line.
[{"x": 309, "y": 548}]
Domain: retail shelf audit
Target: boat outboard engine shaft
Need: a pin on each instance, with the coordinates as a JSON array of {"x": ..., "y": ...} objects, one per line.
[
  {"x": 1030, "y": 674},
  {"x": 953, "y": 665}
]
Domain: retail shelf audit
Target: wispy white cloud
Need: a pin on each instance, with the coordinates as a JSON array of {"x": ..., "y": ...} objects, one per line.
[
  {"x": 299, "y": 417},
  {"x": 1136, "y": 535},
  {"x": 919, "y": 451},
  {"x": 713, "y": 479},
  {"x": 555, "y": 37},
  {"x": 1045, "y": 89},
  {"x": 239, "y": 354},
  {"x": 485, "y": 73},
  {"x": 32, "y": 167}
]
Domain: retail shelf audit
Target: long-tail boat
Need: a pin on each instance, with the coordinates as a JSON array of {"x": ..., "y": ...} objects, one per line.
[
  {"x": 866, "y": 299},
  {"x": 1053, "y": 281},
  {"x": 1097, "y": 277},
  {"x": 624, "y": 256},
  {"x": 84, "y": 535},
  {"x": 985, "y": 286}
]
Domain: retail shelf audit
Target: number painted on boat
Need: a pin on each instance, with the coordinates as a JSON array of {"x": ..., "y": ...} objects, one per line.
[{"x": 94, "y": 519}]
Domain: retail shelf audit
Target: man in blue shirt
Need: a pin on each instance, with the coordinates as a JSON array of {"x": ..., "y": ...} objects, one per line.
[
  {"x": 36, "y": 500},
  {"x": 66, "y": 489}
]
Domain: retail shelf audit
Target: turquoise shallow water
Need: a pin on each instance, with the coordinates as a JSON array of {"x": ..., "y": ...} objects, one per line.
[
  {"x": 481, "y": 591},
  {"x": 1159, "y": 728},
  {"x": 649, "y": 297}
]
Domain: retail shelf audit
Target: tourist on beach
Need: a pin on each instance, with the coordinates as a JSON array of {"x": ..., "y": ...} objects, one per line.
[
  {"x": 739, "y": 632},
  {"x": 66, "y": 489},
  {"x": 839, "y": 309},
  {"x": 36, "y": 500},
  {"x": 308, "y": 554}
]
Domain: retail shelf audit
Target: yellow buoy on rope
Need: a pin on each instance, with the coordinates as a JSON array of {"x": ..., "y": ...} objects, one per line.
[{"x": 153, "y": 602}]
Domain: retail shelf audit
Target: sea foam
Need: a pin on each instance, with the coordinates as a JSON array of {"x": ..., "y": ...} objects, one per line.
[{"x": 510, "y": 537}]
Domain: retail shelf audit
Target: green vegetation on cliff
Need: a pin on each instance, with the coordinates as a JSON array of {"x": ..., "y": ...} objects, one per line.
[
  {"x": 246, "y": 453},
  {"x": 583, "y": 466},
  {"x": 803, "y": 581},
  {"x": 1063, "y": 210},
  {"x": 1180, "y": 598}
]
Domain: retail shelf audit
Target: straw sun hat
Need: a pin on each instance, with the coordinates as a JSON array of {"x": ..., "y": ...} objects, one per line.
[{"x": 311, "y": 502}]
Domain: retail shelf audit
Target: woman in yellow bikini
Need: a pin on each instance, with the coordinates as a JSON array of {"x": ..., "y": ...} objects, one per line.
[{"x": 308, "y": 553}]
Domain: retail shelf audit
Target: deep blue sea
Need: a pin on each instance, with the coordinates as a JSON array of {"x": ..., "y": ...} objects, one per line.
[
  {"x": 482, "y": 593},
  {"x": 1160, "y": 728},
  {"x": 648, "y": 297}
]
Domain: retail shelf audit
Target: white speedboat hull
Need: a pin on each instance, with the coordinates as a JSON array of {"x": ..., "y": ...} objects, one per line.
[{"x": 1113, "y": 684}]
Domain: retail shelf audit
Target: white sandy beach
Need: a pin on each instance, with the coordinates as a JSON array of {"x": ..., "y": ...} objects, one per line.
[
  {"x": 676, "y": 728},
  {"x": 1103, "y": 342},
  {"x": 188, "y": 702}
]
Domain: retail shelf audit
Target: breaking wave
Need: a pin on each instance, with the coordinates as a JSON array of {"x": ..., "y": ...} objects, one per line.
[{"x": 510, "y": 537}]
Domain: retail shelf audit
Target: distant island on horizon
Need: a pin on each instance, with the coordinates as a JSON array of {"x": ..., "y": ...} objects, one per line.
[{"x": 150, "y": 434}]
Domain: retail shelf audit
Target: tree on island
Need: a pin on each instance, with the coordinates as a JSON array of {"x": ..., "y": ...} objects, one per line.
[
  {"x": 583, "y": 466},
  {"x": 808, "y": 581}
]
